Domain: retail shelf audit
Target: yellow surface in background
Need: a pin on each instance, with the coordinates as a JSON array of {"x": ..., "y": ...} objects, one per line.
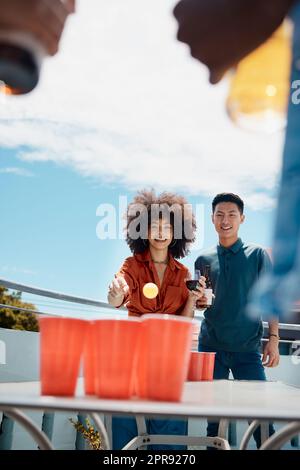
[{"x": 261, "y": 82}]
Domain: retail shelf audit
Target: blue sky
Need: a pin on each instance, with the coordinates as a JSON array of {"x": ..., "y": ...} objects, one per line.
[
  {"x": 49, "y": 228},
  {"x": 121, "y": 107}
]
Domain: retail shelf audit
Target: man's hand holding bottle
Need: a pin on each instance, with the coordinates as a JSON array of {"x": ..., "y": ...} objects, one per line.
[
  {"x": 204, "y": 302},
  {"x": 208, "y": 296}
]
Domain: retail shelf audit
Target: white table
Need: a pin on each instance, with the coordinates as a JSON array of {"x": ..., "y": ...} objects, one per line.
[{"x": 219, "y": 399}]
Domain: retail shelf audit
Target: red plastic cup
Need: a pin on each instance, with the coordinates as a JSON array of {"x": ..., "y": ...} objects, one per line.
[
  {"x": 89, "y": 361},
  {"x": 208, "y": 365},
  {"x": 163, "y": 356},
  {"x": 116, "y": 346},
  {"x": 61, "y": 347},
  {"x": 196, "y": 366}
]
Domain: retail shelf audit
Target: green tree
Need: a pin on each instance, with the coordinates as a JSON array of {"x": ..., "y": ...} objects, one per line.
[{"x": 16, "y": 319}]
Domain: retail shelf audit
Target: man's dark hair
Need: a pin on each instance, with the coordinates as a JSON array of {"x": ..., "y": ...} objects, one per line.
[{"x": 228, "y": 197}]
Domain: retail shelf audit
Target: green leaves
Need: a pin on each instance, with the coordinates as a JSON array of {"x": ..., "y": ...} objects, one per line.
[
  {"x": 89, "y": 433},
  {"x": 14, "y": 319}
]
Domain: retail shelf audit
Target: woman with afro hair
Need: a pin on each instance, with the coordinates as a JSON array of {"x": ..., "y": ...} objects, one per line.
[{"x": 159, "y": 231}]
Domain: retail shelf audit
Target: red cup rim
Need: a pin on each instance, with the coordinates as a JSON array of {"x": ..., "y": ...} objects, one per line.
[
  {"x": 61, "y": 317},
  {"x": 116, "y": 317},
  {"x": 166, "y": 316}
]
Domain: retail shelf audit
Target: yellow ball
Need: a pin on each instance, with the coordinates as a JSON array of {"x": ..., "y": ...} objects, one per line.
[{"x": 150, "y": 290}]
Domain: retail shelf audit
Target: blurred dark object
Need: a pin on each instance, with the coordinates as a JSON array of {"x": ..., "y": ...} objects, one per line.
[
  {"x": 19, "y": 68},
  {"x": 220, "y": 33},
  {"x": 192, "y": 284},
  {"x": 29, "y": 30}
]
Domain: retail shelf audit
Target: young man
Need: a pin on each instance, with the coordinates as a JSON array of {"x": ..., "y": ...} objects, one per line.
[
  {"x": 226, "y": 328},
  {"x": 220, "y": 33}
]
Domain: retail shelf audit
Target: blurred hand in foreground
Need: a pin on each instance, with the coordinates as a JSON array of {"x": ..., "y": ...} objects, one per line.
[
  {"x": 222, "y": 32},
  {"x": 44, "y": 19}
]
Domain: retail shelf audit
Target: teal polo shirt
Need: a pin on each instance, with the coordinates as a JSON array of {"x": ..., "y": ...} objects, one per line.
[{"x": 234, "y": 270}]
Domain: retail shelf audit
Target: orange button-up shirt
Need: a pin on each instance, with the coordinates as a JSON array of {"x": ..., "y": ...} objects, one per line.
[{"x": 138, "y": 270}]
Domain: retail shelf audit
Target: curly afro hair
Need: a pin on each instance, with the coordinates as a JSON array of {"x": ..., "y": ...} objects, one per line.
[{"x": 148, "y": 207}]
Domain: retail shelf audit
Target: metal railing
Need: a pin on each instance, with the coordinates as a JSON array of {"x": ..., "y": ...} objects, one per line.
[
  {"x": 89, "y": 302},
  {"x": 52, "y": 295},
  {"x": 95, "y": 305}
]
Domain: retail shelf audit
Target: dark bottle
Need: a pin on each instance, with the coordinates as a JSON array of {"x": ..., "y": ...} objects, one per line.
[
  {"x": 209, "y": 287},
  {"x": 21, "y": 56}
]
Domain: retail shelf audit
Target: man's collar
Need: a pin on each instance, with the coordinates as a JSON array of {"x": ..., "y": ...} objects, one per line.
[{"x": 233, "y": 248}]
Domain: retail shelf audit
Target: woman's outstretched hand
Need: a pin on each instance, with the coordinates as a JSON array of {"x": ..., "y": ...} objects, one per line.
[{"x": 117, "y": 291}]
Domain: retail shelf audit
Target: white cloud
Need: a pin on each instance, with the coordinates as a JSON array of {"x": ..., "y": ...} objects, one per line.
[
  {"x": 123, "y": 101},
  {"x": 18, "y": 270},
  {"x": 16, "y": 171}
]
